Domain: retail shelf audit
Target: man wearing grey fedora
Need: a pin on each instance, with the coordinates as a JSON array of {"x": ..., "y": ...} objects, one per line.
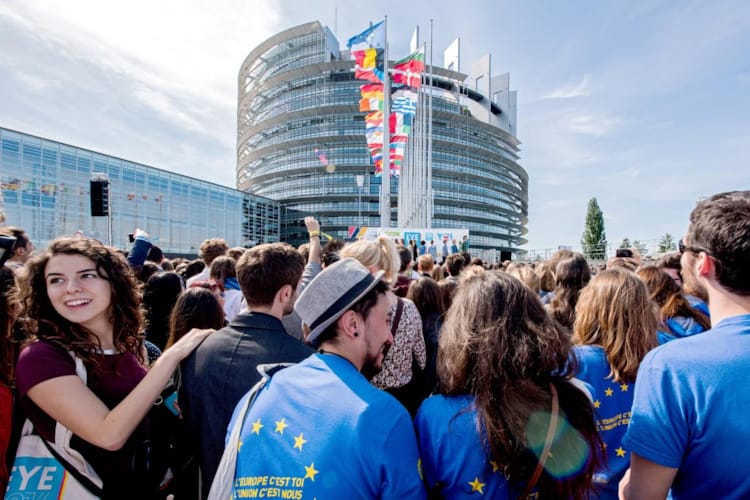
[
  {"x": 319, "y": 429},
  {"x": 218, "y": 373}
]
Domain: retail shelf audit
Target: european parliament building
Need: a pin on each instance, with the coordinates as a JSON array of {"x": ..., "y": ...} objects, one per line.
[
  {"x": 45, "y": 190},
  {"x": 297, "y": 93}
]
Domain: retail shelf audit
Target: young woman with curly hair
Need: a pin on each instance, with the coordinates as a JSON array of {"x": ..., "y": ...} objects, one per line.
[
  {"x": 509, "y": 422},
  {"x": 81, "y": 301},
  {"x": 615, "y": 328}
]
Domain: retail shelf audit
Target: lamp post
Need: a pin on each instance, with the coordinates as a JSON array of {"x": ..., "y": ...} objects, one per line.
[{"x": 360, "y": 183}]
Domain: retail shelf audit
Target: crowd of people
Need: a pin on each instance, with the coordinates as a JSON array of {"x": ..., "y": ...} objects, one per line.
[{"x": 378, "y": 369}]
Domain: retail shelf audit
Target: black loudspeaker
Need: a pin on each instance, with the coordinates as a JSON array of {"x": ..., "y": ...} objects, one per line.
[
  {"x": 505, "y": 255},
  {"x": 99, "y": 198}
]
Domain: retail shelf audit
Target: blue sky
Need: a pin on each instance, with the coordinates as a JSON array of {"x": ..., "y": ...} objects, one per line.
[{"x": 643, "y": 104}]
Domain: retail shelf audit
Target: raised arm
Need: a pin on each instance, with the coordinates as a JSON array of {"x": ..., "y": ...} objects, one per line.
[{"x": 70, "y": 402}]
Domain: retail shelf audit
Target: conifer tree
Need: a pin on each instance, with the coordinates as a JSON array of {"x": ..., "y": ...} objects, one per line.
[{"x": 594, "y": 239}]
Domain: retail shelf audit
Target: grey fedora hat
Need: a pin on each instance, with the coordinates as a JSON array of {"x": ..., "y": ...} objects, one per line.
[{"x": 332, "y": 292}]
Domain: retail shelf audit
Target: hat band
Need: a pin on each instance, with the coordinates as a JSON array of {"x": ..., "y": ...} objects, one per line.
[{"x": 343, "y": 301}]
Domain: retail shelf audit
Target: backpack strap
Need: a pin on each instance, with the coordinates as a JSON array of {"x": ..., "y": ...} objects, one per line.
[{"x": 221, "y": 488}]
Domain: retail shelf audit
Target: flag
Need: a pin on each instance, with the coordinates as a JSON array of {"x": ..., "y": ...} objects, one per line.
[
  {"x": 413, "y": 62},
  {"x": 371, "y": 90},
  {"x": 48, "y": 189},
  {"x": 404, "y": 101},
  {"x": 321, "y": 156},
  {"x": 371, "y": 104},
  {"x": 131, "y": 196},
  {"x": 374, "y": 36},
  {"x": 368, "y": 65},
  {"x": 408, "y": 71}
]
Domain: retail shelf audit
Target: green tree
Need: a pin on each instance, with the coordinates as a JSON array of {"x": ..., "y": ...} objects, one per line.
[
  {"x": 641, "y": 247},
  {"x": 666, "y": 243},
  {"x": 594, "y": 239},
  {"x": 625, "y": 243}
]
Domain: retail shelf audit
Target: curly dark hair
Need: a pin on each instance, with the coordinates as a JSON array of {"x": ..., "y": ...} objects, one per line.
[
  {"x": 45, "y": 323},
  {"x": 499, "y": 345}
]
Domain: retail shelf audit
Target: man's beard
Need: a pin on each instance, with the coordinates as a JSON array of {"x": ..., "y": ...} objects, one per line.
[
  {"x": 371, "y": 368},
  {"x": 690, "y": 285}
]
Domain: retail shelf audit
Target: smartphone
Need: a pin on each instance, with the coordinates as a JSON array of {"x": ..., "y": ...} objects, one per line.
[
  {"x": 623, "y": 252},
  {"x": 131, "y": 238}
]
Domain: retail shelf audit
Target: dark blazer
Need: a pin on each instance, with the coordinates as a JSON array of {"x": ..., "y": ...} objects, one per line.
[{"x": 222, "y": 370}]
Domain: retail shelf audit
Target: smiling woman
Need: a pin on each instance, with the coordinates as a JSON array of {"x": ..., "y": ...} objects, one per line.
[{"x": 81, "y": 301}]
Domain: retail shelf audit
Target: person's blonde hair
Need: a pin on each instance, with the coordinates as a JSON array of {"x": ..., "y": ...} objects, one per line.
[
  {"x": 425, "y": 263},
  {"x": 615, "y": 312},
  {"x": 380, "y": 253}
]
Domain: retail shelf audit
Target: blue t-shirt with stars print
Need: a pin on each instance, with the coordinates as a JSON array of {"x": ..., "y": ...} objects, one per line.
[
  {"x": 612, "y": 403},
  {"x": 454, "y": 462},
  {"x": 319, "y": 429}
]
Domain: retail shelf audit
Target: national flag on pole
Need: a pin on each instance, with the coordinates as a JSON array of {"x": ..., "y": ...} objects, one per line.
[
  {"x": 374, "y": 36},
  {"x": 368, "y": 65},
  {"x": 408, "y": 71}
]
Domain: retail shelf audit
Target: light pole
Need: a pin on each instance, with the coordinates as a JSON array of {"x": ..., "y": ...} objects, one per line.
[{"x": 360, "y": 183}]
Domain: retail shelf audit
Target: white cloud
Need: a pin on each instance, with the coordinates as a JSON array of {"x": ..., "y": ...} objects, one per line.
[
  {"x": 592, "y": 125},
  {"x": 581, "y": 89}
]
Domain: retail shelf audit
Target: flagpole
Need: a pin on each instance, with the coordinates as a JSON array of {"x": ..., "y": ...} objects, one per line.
[
  {"x": 430, "y": 201},
  {"x": 385, "y": 190}
]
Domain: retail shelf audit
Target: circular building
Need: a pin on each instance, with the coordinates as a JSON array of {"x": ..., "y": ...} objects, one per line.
[{"x": 301, "y": 141}]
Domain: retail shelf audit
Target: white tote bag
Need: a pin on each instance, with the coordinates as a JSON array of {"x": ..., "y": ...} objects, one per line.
[{"x": 38, "y": 471}]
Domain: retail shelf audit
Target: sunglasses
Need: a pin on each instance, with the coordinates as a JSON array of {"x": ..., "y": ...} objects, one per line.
[{"x": 682, "y": 247}]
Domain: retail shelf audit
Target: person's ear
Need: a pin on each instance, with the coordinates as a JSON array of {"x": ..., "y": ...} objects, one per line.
[
  {"x": 285, "y": 293},
  {"x": 705, "y": 265},
  {"x": 349, "y": 323}
]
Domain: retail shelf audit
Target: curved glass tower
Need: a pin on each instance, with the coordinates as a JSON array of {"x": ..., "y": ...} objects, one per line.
[{"x": 297, "y": 93}]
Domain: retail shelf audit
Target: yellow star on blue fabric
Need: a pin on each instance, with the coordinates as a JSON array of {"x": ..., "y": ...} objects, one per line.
[
  {"x": 281, "y": 425},
  {"x": 257, "y": 426},
  {"x": 609, "y": 392},
  {"x": 477, "y": 485},
  {"x": 624, "y": 387},
  {"x": 597, "y": 403},
  {"x": 299, "y": 441},
  {"x": 620, "y": 452},
  {"x": 494, "y": 465},
  {"x": 310, "y": 472}
]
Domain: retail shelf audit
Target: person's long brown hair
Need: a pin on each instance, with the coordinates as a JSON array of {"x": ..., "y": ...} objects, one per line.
[
  {"x": 615, "y": 312},
  {"x": 195, "y": 308},
  {"x": 668, "y": 296},
  {"x": 571, "y": 276},
  {"x": 499, "y": 345},
  {"x": 45, "y": 323}
]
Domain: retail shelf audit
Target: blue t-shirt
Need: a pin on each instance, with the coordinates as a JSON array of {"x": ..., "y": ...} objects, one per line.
[
  {"x": 690, "y": 412},
  {"x": 319, "y": 429},
  {"x": 454, "y": 461},
  {"x": 612, "y": 402}
]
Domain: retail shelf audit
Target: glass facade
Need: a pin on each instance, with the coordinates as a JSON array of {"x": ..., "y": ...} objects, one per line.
[
  {"x": 297, "y": 94},
  {"x": 45, "y": 190}
]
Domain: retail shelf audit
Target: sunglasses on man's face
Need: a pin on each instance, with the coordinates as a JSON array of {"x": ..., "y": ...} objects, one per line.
[{"x": 682, "y": 247}]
